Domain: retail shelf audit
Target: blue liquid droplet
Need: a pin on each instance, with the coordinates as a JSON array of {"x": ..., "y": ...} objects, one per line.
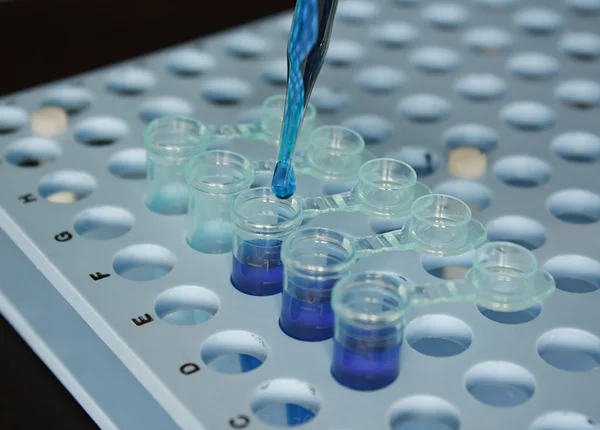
[{"x": 284, "y": 180}]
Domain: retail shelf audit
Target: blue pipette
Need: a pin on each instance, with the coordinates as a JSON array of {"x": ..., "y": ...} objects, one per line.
[{"x": 307, "y": 46}]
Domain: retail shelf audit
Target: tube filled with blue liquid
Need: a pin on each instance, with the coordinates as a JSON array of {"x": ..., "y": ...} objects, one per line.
[
  {"x": 370, "y": 310},
  {"x": 307, "y": 47},
  {"x": 261, "y": 222},
  {"x": 314, "y": 260}
]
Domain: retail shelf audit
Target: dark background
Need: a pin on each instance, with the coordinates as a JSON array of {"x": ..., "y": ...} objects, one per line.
[
  {"x": 44, "y": 40},
  {"x": 41, "y": 41}
]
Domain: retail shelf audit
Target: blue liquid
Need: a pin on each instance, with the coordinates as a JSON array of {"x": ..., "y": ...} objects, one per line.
[
  {"x": 257, "y": 269},
  {"x": 365, "y": 366},
  {"x": 297, "y": 415},
  {"x": 307, "y": 314},
  {"x": 284, "y": 414},
  {"x": 235, "y": 363},
  {"x": 284, "y": 180},
  {"x": 248, "y": 363}
]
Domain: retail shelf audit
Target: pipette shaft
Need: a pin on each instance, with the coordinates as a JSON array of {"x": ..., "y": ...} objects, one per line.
[{"x": 307, "y": 46}]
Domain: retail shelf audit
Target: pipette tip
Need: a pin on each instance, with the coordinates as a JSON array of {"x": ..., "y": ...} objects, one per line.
[{"x": 284, "y": 180}]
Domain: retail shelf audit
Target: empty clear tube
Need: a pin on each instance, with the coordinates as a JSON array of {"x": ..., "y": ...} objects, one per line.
[
  {"x": 370, "y": 311},
  {"x": 335, "y": 153},
  {"x": 314, "y": 260},
  {"x": 215, "y": 177},
  {"x": 507, "y": 278},
  {"x": 170, "y": 143},
  {"x": 387, "y": 187},
  {"x": 261, "y": 222}
]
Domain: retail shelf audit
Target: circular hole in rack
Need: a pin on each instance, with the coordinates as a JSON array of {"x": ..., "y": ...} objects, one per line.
[
  {"x": 103, "y": 222},
  {"x": 438, "y": 335},
  {"x": 517, "y": 317},
  {"x": 275, "y": 72},
  {"x": 49, "y": 121},
  {"x": 283, "y": 24},
  {"x": 435, "y": 59},
  {"x": 32, "y": 152},
  {"x": 445, "y": 16},
  {"x": 582, "y": 46},
  {"x": 523, "y": 231},
  {"x": 534, "y": 66},
  {"x": 329, "y": 100},
  {"x": 487, "y": 40},
  {"x": 128, "y": 164},
  {"x": 226, "y": 91},
  {"x": 528, "y": 116},
  {"x": 448, "y": 268},
  {"x": 71, "y": 98},
  {"x": 424, "y": 108},
  {"x": 522, "y": 171},
  {"x": 189, "y": 62},
  {"x": 380, "y": 79},
  {"x": 343, "y": 52},
  {"x": 539, "y": 21},
  {"x": 407, "y": 3},
  {"x": 574, "y": 273},
  {"x": 570, "y": 349},
  {"x": 579, "y": 93},
  {"x": 245, "y": 44},
  {"x": 186, "y": 305},
  {"x": 500, "y": 383},
  {"x": 394, "y": 34},
  {"x": 423, "y": 412},
  {"x": 575, "y": 206},
  {"x": 130, "y": 81},
  {"x": 285, "y": 402},
  {"x": 372, "y": 128},
  {"x": 164, "y": 106},
  {"x": 497, "y": 5},
  {"x": 577, "y": 146},
  {"x": 477, "y": 196},
  {"x": 472, "y": 135},
  {"x": 564, "y": 420},
  {"x": 100, "y": 131},
  {"x": 584, "y": 7},
  {"x": 234, "y": 351},
  {"x": 357, "y": 11},
  {"x": 424, "y": 161},
  {"x": 481, "y": 87},
  {"x": 12, "y": 118},
  {"x": 467, "y": 163},
  {"x": 66, "y": 186},
  {"x": 143, "y": 262}
]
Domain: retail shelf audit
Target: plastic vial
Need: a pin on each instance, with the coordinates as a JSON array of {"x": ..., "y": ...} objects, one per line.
[
  {"x": 369, "y": 325},
  {"x": 314, "y": 260},
  {"x": 171, "y": 142},
  {"x": 335, "y": 152},
  {"x": 214, "y": 177},
  {"x": 261, "y": 222}
]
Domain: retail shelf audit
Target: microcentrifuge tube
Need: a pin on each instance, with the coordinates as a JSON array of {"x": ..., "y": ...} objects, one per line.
[
  {"x": 369, "y": 326},
  {"x": 314, "y": 260},
  {"x": 260, "y": 223}
]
